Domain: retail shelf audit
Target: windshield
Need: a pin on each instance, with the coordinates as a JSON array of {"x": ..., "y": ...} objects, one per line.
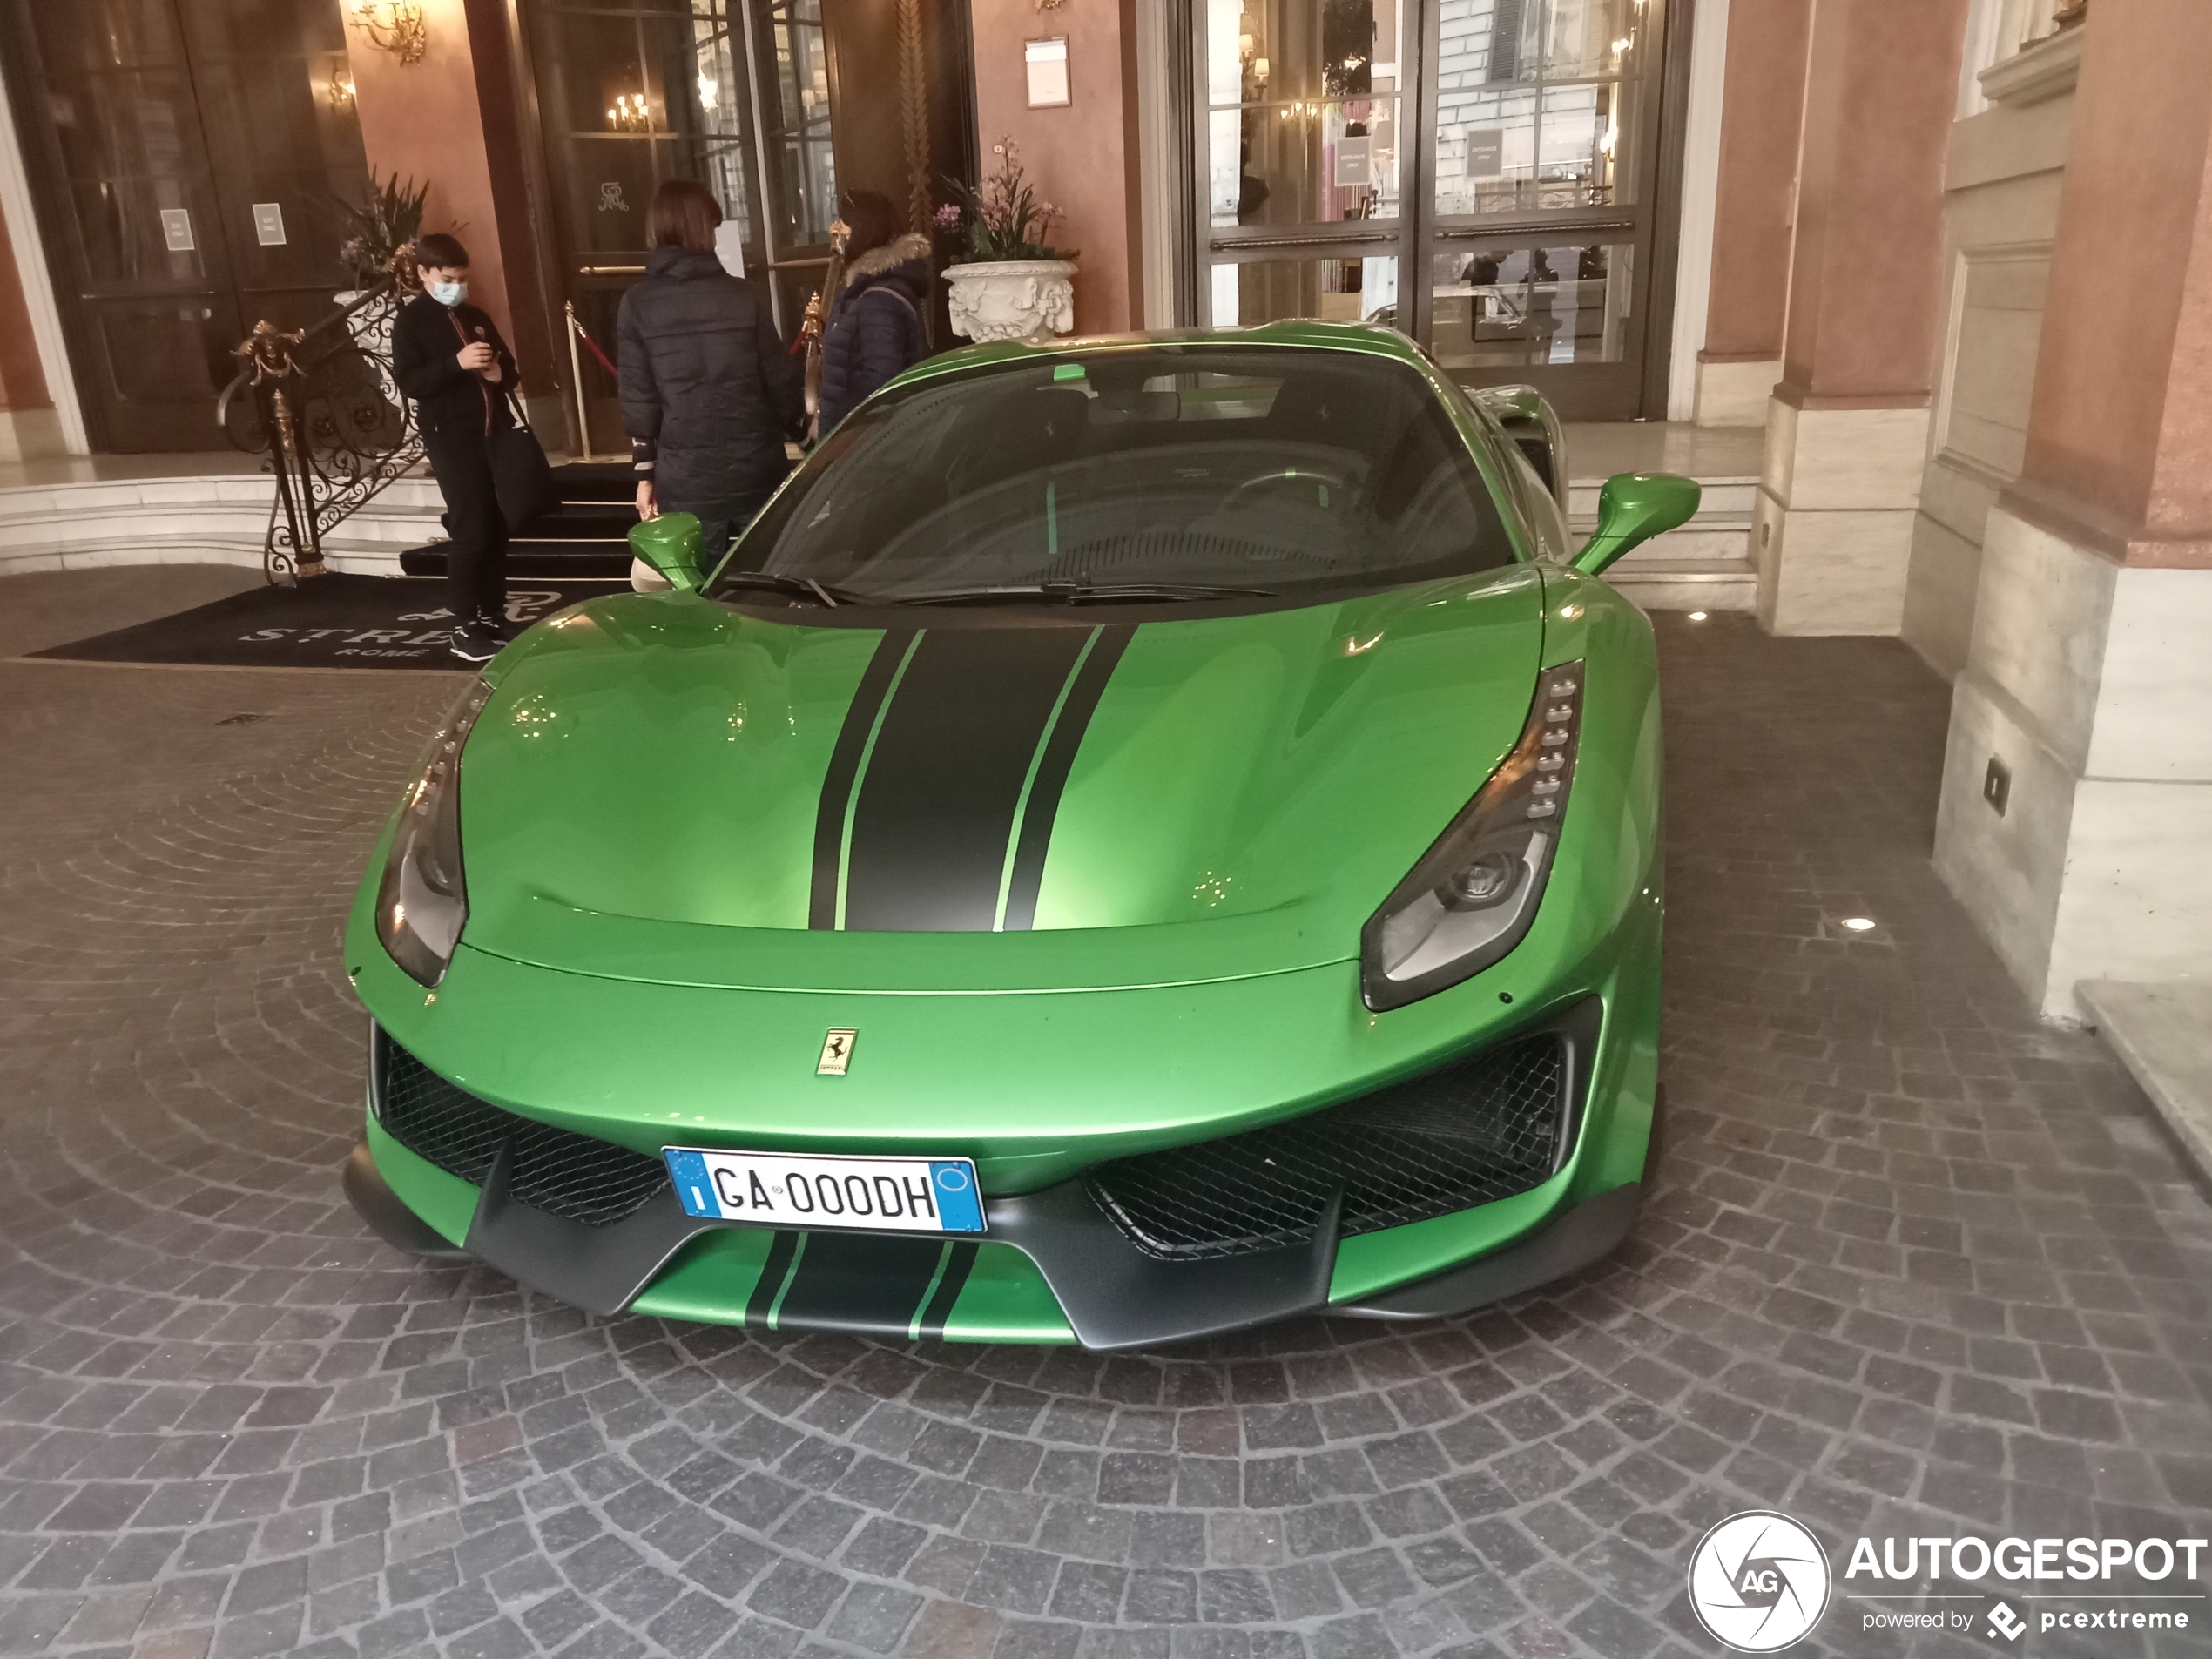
[{"x": 1158, "y": 472}]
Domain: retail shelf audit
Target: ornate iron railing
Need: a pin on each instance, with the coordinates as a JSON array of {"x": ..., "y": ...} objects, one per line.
[{"x": 320, "y": 403}]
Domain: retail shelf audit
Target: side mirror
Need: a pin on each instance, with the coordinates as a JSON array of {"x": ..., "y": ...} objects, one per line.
[
  {"x": 671, "y": 544},
  {"x": 1632, "y": 509}
]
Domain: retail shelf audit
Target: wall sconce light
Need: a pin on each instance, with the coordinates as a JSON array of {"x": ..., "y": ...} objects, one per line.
[
  {"x": 629, "y": 114},
  {"x": 340, "y": 91},
  {"x": 710, "y": 90},
  {"x": 394, "y": 26}
]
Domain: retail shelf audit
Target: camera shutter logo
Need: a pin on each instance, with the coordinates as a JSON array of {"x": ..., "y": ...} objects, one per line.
[{"x": 1758, "y": 1581}]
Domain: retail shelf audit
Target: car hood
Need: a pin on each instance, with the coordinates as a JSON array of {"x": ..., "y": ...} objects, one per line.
[{"x": 664, "y": 788}]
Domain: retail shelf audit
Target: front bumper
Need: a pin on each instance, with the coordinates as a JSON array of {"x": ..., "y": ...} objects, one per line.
[
  {"x": 1117, "y": 1308},
  {"x": 1109, "y": 1292}
]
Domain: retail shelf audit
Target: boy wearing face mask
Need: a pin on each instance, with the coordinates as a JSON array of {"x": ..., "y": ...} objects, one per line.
[{"x": 447, "y": 356}]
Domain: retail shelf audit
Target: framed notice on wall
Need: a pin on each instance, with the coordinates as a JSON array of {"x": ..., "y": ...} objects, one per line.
[{"x": 1048, "y": 65}]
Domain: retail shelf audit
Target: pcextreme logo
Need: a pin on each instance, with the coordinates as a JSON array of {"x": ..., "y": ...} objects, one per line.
[{"x": 1758, "y": 1581}]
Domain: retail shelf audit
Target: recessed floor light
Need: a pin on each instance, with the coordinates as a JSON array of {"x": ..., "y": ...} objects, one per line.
[
  {"x": 1697, "y": 616},
  {"x": 1859, "y": 924}
]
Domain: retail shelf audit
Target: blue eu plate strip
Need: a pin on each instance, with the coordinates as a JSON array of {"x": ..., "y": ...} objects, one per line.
[
  {"x": 688, "y": 1170},
  {"x": 957, "y": 1206}
]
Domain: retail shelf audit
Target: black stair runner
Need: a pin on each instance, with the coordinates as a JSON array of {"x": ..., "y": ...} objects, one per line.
[{"x": 586, "y": 538}]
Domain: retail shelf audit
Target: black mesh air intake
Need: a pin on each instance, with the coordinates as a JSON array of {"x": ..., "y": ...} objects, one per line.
[
  {"x": 1482, "y": 1128},
  {"x": 556, "y": 1170}
]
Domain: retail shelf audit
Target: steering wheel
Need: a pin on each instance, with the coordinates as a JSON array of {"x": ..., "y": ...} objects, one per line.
[{"x": 1283, "y": 476}]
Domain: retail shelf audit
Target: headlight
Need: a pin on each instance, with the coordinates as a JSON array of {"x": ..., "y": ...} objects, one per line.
[
  {"x": 421, "y": 901},
  {"x": 1473, "y": 895}
]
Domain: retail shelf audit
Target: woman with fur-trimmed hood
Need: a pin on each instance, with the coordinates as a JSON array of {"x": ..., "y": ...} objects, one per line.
[{"x": 875, "y": 323}]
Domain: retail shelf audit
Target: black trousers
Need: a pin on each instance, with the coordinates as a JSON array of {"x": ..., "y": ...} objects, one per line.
[
  {"x": 721, "y": 521},
  {"x": 475, "y": 531}
]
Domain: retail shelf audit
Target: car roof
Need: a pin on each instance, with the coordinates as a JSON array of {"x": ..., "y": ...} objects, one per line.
[{"x": 1366, "y": 339}]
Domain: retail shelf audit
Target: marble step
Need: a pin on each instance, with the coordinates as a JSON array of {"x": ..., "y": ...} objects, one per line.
[
  {"x": 1704, "y": 565},
  {"x": 1697, "y": 585},
  {"x": 1727, "y": 498},
  {"x": 2162, "y": 1032}
]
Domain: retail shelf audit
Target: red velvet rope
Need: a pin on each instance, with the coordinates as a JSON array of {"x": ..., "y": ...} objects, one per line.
[{"x": 594, "y": 345}]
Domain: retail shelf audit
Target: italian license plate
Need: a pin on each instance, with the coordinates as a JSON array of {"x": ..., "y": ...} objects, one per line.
[{"x": 864, "y": 1195}]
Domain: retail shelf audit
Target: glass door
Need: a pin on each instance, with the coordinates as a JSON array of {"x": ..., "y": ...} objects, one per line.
[
  {"x": 799, "y": 176},
  {"x": 1478, "y": 173},
  {"x": 1544, "y": 140},
  {"x": 1302, "y": 202},
  {"x": 734, "y": 93},
  {"x": 631, "y": 94}
]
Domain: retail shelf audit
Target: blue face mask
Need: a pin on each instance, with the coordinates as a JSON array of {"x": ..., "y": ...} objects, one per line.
[{"x": 449, "y": 293}]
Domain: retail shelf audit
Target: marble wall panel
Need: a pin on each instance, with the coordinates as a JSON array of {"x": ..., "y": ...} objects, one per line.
[
  {"x": 2006, "y": 871},
  {"x": 2041, "y": 609},
  {"x": 2154, "y": 713},
  {"x": 2137, "y": 888},
  {"x": 1838, "y": 572},
  {"x": 1939, "y": 594}
]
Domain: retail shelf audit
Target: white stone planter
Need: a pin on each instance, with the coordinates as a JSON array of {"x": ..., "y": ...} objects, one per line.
[{"x": 1012, "y": 299}]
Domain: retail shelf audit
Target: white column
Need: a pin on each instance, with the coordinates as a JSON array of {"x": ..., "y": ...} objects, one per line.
[
  {"x": 38, "y": 285},
  {"x": 1701, "y": 176}
]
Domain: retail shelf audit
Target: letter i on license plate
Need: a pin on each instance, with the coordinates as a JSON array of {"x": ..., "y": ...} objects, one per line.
[{"x": 863, "y": 1195}]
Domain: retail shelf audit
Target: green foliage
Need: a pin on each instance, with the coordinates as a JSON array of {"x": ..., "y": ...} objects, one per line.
[
  {"x": 1003, "y": 218},
  {"x": 389, "y": 221}
]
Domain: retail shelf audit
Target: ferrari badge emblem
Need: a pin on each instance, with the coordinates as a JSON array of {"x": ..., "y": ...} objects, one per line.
[{"x": 837, "y": 1054}]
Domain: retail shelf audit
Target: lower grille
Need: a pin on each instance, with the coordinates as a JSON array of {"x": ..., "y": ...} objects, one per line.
[
  {"x": 1471, "y": 1133},
  {"x": 553, "y": 1170}
]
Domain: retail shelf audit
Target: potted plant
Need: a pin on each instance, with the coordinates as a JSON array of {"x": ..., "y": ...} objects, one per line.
[
  {"x": 389, "y": 221},
  {"x": 380, "y": 243},
  {"x": 1008, "y": 282}
]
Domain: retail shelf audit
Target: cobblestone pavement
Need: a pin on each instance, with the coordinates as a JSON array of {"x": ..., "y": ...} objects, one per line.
[{"x": 1914, "y": 1262}]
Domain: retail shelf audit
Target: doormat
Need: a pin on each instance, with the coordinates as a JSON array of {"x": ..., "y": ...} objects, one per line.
[{"x": 326, "y": 622}]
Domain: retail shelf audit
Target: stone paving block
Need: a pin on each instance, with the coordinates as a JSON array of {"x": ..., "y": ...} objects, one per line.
[{"x": 1908, "y": 1258}]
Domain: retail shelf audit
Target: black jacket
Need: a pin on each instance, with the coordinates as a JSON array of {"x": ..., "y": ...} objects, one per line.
[
  {"x": 875, "y": 327},
  {"x": 455, "y": 405},
  {"x": 707, "y": 386}
]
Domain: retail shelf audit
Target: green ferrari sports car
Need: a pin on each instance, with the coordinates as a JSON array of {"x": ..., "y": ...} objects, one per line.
[{"x": 1141, "y": 837}]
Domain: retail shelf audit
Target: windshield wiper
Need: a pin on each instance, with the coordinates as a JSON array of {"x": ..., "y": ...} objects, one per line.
[
  {"x": 803, "y": 586},
  {"x": 1076, "y": 593}
]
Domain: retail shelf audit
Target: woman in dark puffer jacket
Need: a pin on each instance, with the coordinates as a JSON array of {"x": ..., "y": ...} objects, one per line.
[
  {"x": 707, "y": 386},
  {"x": 875, "y": 328}
]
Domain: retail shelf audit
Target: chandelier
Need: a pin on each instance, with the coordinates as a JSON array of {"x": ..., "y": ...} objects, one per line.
[{"x": 395, "y": 26}]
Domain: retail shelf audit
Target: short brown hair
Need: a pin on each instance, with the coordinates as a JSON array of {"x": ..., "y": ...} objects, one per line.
[{"x": 684, "y": 214}]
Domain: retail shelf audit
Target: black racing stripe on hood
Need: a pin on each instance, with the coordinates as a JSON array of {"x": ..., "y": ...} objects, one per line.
[
  {"x": 935, "y": 810},
  {"x": 844, "y": 768},
  {"x": 1052, "y": 775},
  {"x": 859, "y": 1284}
]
